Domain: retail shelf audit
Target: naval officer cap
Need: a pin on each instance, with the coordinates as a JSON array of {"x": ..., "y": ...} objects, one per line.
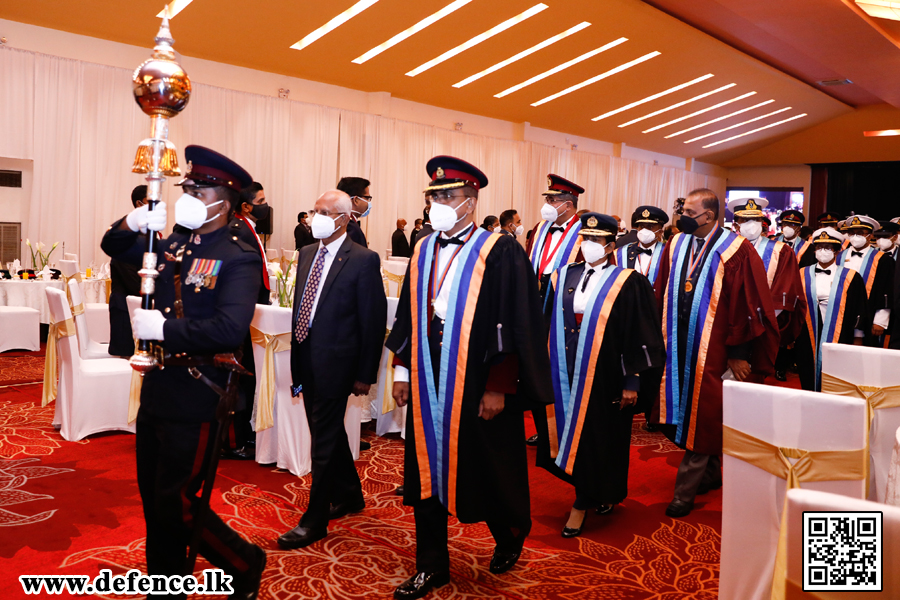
[
  {"x": 827, "y": 235},
  {"x": 793, "y": 217},
  {"x": 557, "y": 185},
  {"x": 888, "y": 229},
  {"x": 748, "y": 208},
  {"x": 449, "y": 172},
  {"x": 208, "y": 168},
  {"x": 598, "y": 224},
  {"x": 649, "y": 215},
  {"x": 860, "y": 221}
]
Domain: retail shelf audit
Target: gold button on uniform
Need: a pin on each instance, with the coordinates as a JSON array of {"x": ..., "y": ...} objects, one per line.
[
  {"x": 188, "y": 252},
  {"x": 234, "y": 237},
  {"x": 168, "y": 310}
]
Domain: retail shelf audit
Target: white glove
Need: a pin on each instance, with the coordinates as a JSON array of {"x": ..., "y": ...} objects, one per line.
[
  {"x": 148, "y": 324},
  {"x": 142, "y": 218}
]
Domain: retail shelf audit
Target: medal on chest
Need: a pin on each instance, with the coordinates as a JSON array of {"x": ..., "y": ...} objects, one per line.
[{"x": 203, "y": 273}]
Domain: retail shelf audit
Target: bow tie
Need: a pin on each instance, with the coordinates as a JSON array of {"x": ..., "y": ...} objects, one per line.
[
  {"x": 647, "y": 251},
  {"x": 555, "y": 229},
  {"x": 444, "y": 242},
  {"x": 855, "y": 253},
  {"x": 826, "y": 271}
]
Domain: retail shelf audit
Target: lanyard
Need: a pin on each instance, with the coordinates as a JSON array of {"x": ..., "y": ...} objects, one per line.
[
  {"x": 545, "y": 260},
  {"x": 436, "y": 289},
  {"x": 695, "y": 261}
]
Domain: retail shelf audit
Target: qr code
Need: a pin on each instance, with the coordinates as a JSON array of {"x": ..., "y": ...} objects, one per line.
[{"x": 842, "y": 551}]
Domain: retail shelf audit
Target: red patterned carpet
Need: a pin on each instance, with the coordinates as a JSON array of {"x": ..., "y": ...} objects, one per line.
[{"x": 73, "y": 508}]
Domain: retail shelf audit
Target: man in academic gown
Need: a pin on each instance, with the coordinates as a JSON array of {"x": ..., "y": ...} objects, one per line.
[
  {"x": 838, "y": 314},
  {"x": 604, "y": 329},
  {"x": 782, "y": 271},
  {"x": 469, "y": 344},
  {"x": 791, "y": 223},
  {"x": 713, "y": 294},
  {"x": 877, "y": 271},
  {"x": 888, "y": 241}
]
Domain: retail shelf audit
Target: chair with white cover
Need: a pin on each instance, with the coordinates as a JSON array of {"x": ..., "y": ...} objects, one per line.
[
  {"x": 892, "y": 494},
  {"x": 388, "y": 416},
  {"x": 393, "y": 271},
  {"x": 72, "y": 257},
  {"x": 272, "y": 254},
  {"x": 775, "y": 438},
  {"x": 90, "y": 346},
  {"x": 92, "y": 394},
  {"x": 872, "y": 374},
  {"x": 20, "y": 328},
  {"x": 810, "y": 501}
]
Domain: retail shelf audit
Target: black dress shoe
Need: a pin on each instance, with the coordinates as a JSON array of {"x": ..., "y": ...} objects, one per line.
[
  {"x": 647, "y": 426},
  {"x": 532, "y": 441},
  {"x": 301, "y": 537},
  {"x": 248, "y": 586},
  {"x": 420, "y": 584},
  {"x": 245, "y": 453},
  {"x": 501, "y": 562},
  {"x": 781, "y": 375},
  {"x": 398, "y": 491},
  {"x": 678, "y": 508},
  {"x": 339, "y": 510},
  {"x": 365, "y": 446},
  {"x": 605, "y": 509},
  {"x": 707, "y": 486}
]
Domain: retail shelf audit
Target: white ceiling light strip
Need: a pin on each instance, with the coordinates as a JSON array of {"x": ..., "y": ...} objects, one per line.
[
  {"x": 479, "y": 38},
  {"x": 653, "y": 97},
  {"x": 700, "y": 112},
  {"x": 593, "y": 80},
  {"x": 407, "y": 33},
  {"x": 173, "y": 8},
  {"x": 730, "y": 127},
  {"x": 561, "y": 67},
  {"x": 678, "y": 105},
  {"x": 717, "y": 119},
  {"x": 334, "y": 23},
  {"x": 734, "y": 137},
  {"x": 523, "y": 54}
]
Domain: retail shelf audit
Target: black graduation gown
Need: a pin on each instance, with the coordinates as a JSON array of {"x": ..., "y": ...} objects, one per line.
[
  {"x": 894, "y": 330},
  {"x": 856, "y": 316},
  {"x": 879, "y": 297},
  {"x": 632, "y": 343},
  {"x": 124, "y": 282},
  {"x": 492, "y": 469}
]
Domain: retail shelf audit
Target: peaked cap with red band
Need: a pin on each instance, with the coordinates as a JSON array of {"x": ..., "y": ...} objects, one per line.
[
  {"x": 209, "y": 168},
  {"x": 448, "y": 172},
  {"x": 558, "y": 185}
]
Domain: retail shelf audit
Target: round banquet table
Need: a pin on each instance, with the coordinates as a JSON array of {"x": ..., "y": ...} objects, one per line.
[{"x": 31, "y": 293}]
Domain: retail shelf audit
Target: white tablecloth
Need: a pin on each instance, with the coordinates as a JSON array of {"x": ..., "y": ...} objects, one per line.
[{"x": 31, "y": 293}]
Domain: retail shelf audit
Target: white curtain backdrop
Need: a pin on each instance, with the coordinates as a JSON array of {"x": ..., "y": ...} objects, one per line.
[{"x": 80, "y": 125}]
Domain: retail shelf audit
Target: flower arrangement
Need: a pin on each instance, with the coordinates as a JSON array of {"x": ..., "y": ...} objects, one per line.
[
  {"x": 39, "y": 258},
  {"x": 285, "y": 278}
]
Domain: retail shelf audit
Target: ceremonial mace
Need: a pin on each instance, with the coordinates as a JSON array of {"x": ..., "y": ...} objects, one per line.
[{"x": 162, "y": 90}]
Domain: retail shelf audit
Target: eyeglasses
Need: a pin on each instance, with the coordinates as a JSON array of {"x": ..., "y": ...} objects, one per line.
[
  {"x": 366, "y": 198},
  {"x": 444, "y": 197}
]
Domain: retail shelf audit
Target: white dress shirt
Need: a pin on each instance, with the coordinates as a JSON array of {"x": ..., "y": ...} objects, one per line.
[
  {"x": 823, "y": 291},
  {"x": 581, "y": 299},
  {"x": 330, "y": 252},
  {"x": 883, "y": 316},
  {"x": 552, "y": 240},
  {"x": 643, "y": 261}
]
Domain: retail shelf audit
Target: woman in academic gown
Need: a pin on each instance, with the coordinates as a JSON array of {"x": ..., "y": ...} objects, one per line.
[
  {"x": 837, "y": 302},
  {"x": 606, "y": 350}
]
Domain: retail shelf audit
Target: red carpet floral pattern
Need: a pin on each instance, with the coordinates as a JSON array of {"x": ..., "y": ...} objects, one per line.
[
  {"x": 26, "y": 429},
  {"x": 14, "y": 475}
]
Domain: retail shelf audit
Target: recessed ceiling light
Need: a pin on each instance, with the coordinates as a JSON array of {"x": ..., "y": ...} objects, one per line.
[
  {"x": 680, "y": 104},
  {"x": 730, "y": 127},
  {"x": 881, "y": 9},
  {"x": 734, "y": 137},
  {"x": 653, "y": 97},
  {"x": 173, "y": 8},
  {"x": 592, "y": 80},
  {"x": 882, "y": 133},
  {"x": 479, "y": 38},
  {"x": 334, "y": 23},
  {"x": 430, "y": 20},
  {"x": 561, "y": 67},
  {"x": 700, "y": 112},
  {"x": 523, "y": 54},
  {"x": 717, "y": 119}
]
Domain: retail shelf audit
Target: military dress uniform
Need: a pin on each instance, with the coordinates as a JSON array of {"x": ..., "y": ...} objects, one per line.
[{"x": 218, "y": 277}]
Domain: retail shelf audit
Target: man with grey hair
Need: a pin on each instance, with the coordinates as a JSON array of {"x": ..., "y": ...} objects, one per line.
[{"x": 337, "y": 334}]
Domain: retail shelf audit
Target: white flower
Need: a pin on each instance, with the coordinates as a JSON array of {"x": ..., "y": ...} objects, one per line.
[
  {"x": 28, "y": 242},
  {"x": 40, "y": 246}
]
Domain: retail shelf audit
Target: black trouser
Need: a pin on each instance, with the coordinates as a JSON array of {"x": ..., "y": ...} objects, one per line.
[
  {"x": 334, "y": 476},
  {"x": 785, "y": 359},
  {"x": 243, "y": 432},
  {"x": 172, "y": 462}
]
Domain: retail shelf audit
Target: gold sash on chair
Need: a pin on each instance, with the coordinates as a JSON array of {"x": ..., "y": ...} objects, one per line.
[
  {"x": 834, "y": 465},
  {"x": 55, "y": 333},
  {"x": 76, "y": 310},
  {"x": 272, "y": 343},
  {"x": 398, "y": 279},
  {"x": 387, "y": 402}
]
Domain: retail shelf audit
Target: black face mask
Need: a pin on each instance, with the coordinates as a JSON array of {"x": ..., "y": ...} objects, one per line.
[
  {"x": 260, "y": 211},
  {"x": 688, "y": 224}
]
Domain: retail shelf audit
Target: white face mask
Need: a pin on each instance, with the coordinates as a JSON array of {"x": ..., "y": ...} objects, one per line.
[
  {"x": 520, "y": 230},
  {"x": 646, "y": 237},
  {"x": 549, "y": 212},
  {"x": 857, "y": 241},
  {"x": 789, "y": 232},
  {"x": 885, "y": 244},
  {"x": 322, "y": 226},
  {"x": 751, "y": 230},
  {"x": 824, "y": 255},
  {"x": 443, "y": 217},
  {"x": 592, "y": 251},
  {"x": 191, "y": 212},
  {"x": 496, "y": 229}
]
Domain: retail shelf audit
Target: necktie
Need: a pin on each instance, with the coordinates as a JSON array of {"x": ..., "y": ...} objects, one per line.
[
  {"x": 309, "y": 296},
  {"x": 855, "y": 253},
  {"x": 698, "y": 247},
  {"x": 646, "y": 251},
  {"x": 826, "y": 271},
  {"x": 554, "y": 229},
  {"x": 444, "y": 242},
  {"x": 586, "y": 279}
]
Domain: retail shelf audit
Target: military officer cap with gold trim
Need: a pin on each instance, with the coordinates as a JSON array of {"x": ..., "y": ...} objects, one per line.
[
  {"x": 648, "y": 215},
  {"x": 449, "y": 172},
  {"x": 597, "y": 224},
  {"x": 208, "y": 168},
  {"x": 793, "y": 217},
  {"x": 828, "y": 218},
  {"x": 827, "y": 235},
  {"x": 861, "y": 221},
  {"x": 888, "y": 229},
  {"x": 557, "y": 185},
  {"x": 748, "y": 208}
]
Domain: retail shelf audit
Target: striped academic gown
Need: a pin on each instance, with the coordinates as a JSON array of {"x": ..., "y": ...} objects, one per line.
[
  {"x": 803, "y": 250},
  {"x": 589, "y": 436},
  {"x": 877, "y": 273},
  {"x": 626, "y": 257},
  {"x": 783, "y": 277},
  {"x": 568, "y": 249},
  {"x": 731, "y": 311},
  {"x": 474, "y": 467}
]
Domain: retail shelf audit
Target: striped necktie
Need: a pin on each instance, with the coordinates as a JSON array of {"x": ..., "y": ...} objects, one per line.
[{"x": 301, "y": 330}]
